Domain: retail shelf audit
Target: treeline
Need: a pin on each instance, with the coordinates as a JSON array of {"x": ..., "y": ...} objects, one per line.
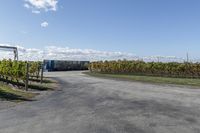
[
  {"x": 171, "y": 69},
  {"x": 18, "y": 70}
]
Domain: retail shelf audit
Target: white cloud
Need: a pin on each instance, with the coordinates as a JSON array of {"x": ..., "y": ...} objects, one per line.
[
  {"x": 38, "y": 5},
  {"x": 163, "y": 58},
  {"x": 44, "y": 24},
  {"x": 65, "y": 53},
  {"x": 36, "y": 12},
  {"x": 54, "y": 52},
  {"x": 27, "y": 5}
]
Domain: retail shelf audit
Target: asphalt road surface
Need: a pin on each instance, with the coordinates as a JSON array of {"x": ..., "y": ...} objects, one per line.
[{"x": 85, "y": 104}]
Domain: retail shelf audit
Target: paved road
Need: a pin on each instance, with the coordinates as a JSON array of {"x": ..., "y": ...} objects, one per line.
[{"x": 93, "y": 105}]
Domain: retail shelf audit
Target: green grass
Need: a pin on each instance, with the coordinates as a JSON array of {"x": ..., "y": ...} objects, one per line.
[
  {"x": 34, "y": 84},
  {"x": 47, "y": 84},
  {"x": 150, "y": 79},
  {"x": 14, "y": 91},
  {"x": 9, "y": 94}
]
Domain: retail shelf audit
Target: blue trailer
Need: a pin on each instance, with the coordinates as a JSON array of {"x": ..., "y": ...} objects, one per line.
[{"x": 62, "y": 65}]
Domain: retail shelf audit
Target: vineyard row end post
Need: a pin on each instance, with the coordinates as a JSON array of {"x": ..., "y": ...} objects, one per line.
[
  {"x": 27, "y": 76},
  {"x": 42, "y": 71}
]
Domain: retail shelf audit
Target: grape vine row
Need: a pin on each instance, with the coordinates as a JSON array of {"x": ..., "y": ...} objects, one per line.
[
  {"x": 16, "y": 70},
  {"x": 171, "y": 69}
]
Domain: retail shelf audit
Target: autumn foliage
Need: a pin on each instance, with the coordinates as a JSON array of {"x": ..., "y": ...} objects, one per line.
[{"x": 171, "y": 69}]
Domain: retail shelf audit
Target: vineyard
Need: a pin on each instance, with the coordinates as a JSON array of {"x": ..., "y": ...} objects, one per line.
[
  {"x": 172, "y": 69},
  {"x": 18, "y": 71}
]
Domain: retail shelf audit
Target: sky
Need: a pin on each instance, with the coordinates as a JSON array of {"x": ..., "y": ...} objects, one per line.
[{"x": 110, "y": 29}]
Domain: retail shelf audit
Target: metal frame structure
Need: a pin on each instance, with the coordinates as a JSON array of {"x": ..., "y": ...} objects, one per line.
[{"x": 15, "y": 51}]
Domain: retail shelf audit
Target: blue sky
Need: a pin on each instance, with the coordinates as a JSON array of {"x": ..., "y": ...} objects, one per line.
[{"x": 141, "y": 27}]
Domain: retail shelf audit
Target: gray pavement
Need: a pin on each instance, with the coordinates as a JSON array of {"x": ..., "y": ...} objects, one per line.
[{"x": 85, "y": 104}]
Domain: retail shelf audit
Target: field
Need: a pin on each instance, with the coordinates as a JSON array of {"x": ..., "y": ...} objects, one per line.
[
  {"x": 154, "y": 72},
  {"x": 150, "y": 79}
]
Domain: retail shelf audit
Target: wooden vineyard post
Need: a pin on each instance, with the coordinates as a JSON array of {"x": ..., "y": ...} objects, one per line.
[
  {"x": 27, "y": 76},
  {"x": 42, "y": 71}
]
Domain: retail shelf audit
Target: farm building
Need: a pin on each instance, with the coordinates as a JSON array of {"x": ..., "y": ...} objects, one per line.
[{"x": 60, "y": 65}]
